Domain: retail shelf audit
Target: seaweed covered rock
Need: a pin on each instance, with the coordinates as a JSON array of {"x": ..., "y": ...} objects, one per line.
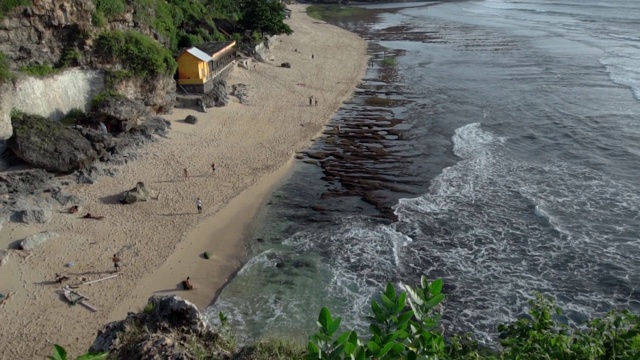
[{"x": 49, "y": 145}]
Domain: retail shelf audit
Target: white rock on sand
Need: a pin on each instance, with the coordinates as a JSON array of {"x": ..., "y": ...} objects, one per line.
[{"x": 159, "y": 242}]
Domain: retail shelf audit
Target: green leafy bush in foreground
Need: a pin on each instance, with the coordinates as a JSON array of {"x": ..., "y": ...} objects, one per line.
[
  {"x": 61, "y": 354},
  {"x": 406, "y": 326}
]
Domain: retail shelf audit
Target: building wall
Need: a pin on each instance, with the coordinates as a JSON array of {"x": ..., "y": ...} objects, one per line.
[{"x": 189, "y": 67}]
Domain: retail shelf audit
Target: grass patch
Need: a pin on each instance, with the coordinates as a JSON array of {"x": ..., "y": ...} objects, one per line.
[
  {"x": 39, "y": 70},
  {"x": 5, "y": 71},
  {"x": 378, "y": 101},
  {"x": 137, "y": 53},
  {"x": 102, "y": 96},
  {"x": 148, "y": 309},
  {"x": 72, "y": 116},
  {"x": 110, "y": 8},
  {"x": 8, "y": 5},
  {"x": 389, "y": 61},
  {"x": 328, "y": 12}
]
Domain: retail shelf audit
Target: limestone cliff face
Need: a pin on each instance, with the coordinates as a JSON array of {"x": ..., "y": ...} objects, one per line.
[{"x": 42, "y": 32}]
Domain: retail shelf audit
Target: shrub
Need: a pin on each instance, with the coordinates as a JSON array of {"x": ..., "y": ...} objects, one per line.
[
  {"x": 137, "y": 53},
  {"x": 110, "y": 8},
  {"x": 102, "y": 96},
  {"x": 8, "y": 5},
  {"x": 38, "y": 70},
  {"x": 5, "y": 71},
  {"x": 72, "y": 117},
  {"x": 328, "y": 12},
  {"x": 98, "y": 19}
]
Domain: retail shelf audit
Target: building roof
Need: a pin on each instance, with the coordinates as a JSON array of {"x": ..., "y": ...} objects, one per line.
[
  {"x": 214, "y": 47},
  {"x": 199, "y": 54}
]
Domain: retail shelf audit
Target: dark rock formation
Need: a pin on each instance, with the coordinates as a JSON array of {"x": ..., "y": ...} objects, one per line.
[
  {"x": 157, "y": 94},
  {"x": 190, "y": 119},
  {"x": 27, "y": 182},
  {"x": 120, "y": 109},
  {"x": 137, "y": 194},
  {"x": 286, "y": 65},
  {"x": 165, "y": 330},
  {"x": 241, "y": 91},
  {"x": 218, "y": 95},
  {"x": 49, "y": 145}
]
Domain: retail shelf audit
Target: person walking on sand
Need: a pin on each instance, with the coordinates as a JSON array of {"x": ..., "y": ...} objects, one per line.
[
  {"x": 310, "y": 100},
  {"x": 186, "y": 173},
  {"x": 199, "y": 205},
  {"x": 312, "y": 57},
  {"x": 316, "y": 101},
  {"x": 116, "y": 262},
  {"x": 213, "y": 167}
]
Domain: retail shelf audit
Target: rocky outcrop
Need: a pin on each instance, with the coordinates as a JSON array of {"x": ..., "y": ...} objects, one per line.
[
  {"x": 190, "y": 119},
  {"x": 217, "y": 96},
  {"x": 157, "y": 93},
  {"x": 49, "y": 145},
  {"x": 4, "y": 257},
  {"x": 137, "y": 194},
  {"x": 35, "y": 216},
  {"x": 167, "y": 329},
  {"x": 43, "y": 31},
  {"x": 27, "y": 182},
  {"x": 241, "y": 91},
  {"x": 33, "y": 241}
]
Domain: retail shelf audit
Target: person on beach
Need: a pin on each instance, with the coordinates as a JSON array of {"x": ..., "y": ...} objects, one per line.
[
  {"x": 61, "y": 278},
  {"x": 213, "y": 167},
  {"x": 312, "y": 57},
  {"x": 116, "y": 262},
  {"x": 187, "y": 284},
  {"x": 199, "y": 205},
  {"x": 316, "y": 101},
  {"x": 186, "y": 173},
  {"x": 310, "y": 100}
]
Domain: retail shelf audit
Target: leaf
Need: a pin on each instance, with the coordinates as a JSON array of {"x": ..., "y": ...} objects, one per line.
[
  {"x": 349, "y": 348},
  {"x": 324, "y": 319},
  {"x": 388, "y": 303},
  {"x": 424, "y": 282},
  {"x": 376, "y": 308},
  {"x": 334, "y": 326},
  {"x": 404, "y": 318},
  {"x": 313, "y": 348},
  {"x": 373, "y": 347},
  {"x": 390, "y": 291},
  {"x": 414, "y": 296},
  {"x": 434, "y": 301},
  {"x": 342, "y": 338},
  {"x": 59, "y": 353},
  {"x": 92, "y": 356},
  {"x": 436, "y": 287},
  {"x": 375, "y": 330},
  {"x": 401, "y": 302},
  {"x": 398, "y": 348},
  {"x": 385, "y": 350}
]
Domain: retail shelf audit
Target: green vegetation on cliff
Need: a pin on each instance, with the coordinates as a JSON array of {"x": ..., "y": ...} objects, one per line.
[
  {"x": 8, "y": 5},
  {"x": 137, "y": 53},
  {"x": 5, "y": 71}
]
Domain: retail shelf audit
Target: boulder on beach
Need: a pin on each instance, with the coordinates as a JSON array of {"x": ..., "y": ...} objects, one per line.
[
  {"x": 286, "y": 65},
  {"x": 35, "y": 216},
  {"x": 120, "y": 108},
  {"x": 137, "y": 194},
  {"x": 218, "y": 95},
  {"x": 33, "y": 241},
  {"x": 49, "y": 145},
  {"x": 190, "y": 119}
]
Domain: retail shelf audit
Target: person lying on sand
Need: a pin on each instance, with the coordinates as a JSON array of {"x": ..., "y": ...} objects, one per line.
[
  {"x": 61, "y": 278},
  {"x": 188, "y": 285},
  {"x": 89, "y": 216},
  {"x": 73, "y": 209}
]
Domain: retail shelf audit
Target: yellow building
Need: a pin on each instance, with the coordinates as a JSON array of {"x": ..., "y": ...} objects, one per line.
[{"x": 198, "y": 66}]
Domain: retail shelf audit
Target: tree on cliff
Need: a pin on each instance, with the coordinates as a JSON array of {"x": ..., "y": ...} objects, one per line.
[{"x": 266, "y": 16}]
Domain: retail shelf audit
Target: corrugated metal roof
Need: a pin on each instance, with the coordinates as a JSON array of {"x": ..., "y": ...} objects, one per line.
[{"x": 199, "y": 54}]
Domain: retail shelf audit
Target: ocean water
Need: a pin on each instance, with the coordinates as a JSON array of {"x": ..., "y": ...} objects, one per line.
[{"x": 514, "y": 167}]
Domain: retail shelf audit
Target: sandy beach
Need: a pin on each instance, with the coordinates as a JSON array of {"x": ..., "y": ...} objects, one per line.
[{"x": 160, "y": 242}]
